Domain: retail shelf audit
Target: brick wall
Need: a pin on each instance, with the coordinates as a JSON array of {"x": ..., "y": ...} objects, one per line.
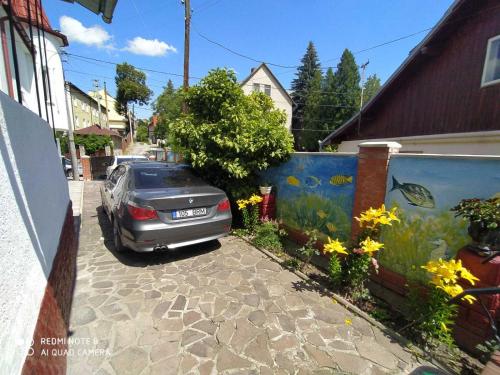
[{"x": 53, "y": 318}]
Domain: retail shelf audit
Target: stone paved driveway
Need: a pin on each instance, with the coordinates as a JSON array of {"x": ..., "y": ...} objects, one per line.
[{"x": 217, "y": 308}]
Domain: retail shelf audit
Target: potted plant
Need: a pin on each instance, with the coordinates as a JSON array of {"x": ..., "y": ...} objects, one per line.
[
  {"x": 484, "y": 222},
  {"x": 265, "y": 188}
]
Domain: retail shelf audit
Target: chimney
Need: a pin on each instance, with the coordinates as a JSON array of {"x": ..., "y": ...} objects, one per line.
[{"x": 252, "y": 70}]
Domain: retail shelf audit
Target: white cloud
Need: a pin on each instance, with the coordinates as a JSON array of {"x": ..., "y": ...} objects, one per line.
[
  {"x": 90, "y": 36},
  {"x": 148, "y": 47}
]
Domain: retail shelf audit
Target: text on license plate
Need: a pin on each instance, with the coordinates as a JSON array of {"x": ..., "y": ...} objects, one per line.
[{"x": 192, "y": 212}]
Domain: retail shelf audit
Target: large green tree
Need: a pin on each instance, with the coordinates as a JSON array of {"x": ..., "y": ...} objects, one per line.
[
  {"x": 230, "y": 137},
  {"x": 301, "y": 88},
  {"x": 347, "y": 88},
  {"x": 371, "y": 86},
  {"x": 130, "y": 88},
  {"x": 312, "y": 122},
  {"x": 168, "y": 108},
  {"x": 142, "y": 133}
]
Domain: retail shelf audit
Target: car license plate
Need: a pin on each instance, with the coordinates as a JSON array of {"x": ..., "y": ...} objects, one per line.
[{"x": 192, "y": 212}]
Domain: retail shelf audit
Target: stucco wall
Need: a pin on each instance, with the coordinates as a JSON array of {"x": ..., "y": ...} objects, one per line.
[
  {"x": 478, "y": 143},
  {"x": 34, "y": 199},
  {"x": 279, "y": 98}
]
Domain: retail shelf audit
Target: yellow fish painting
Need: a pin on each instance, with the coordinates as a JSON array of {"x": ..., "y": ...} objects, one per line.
[
  {"x": 332, "y": 228},
  {"x": 321, "y": 214},
  {"x": 292, "y": 180},
  {"x": 341, "y": 180}
]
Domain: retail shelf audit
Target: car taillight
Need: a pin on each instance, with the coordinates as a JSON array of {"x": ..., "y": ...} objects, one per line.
[
  {"x": 224, "y": 205},
  {"x": 141, "y": 213}
]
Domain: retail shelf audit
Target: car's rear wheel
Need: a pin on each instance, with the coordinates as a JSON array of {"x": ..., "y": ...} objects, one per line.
[{"x": 116, "y": 238}]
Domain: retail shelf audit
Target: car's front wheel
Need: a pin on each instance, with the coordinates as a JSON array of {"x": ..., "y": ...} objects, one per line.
[{"x": 116, "y": 238}]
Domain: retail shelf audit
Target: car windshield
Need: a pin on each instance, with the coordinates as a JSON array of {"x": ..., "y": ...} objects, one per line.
[
  {"x": 155, "y": 178},
  {"x": 123, "y": 160}
]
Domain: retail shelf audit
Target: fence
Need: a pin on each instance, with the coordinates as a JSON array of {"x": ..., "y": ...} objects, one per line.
[{"x": 325, "y": 191}]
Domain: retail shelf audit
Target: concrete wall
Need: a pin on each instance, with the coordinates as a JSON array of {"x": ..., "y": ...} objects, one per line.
[
  {"x": 34, "y": 199},
  {"x": 279, "y": 98},
  {"x": 478, "y": 143}
]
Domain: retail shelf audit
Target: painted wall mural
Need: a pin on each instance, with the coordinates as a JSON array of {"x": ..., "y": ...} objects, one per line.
[
  {"x": 316, "y": 191},
  {"x": 424, "y": 189}
]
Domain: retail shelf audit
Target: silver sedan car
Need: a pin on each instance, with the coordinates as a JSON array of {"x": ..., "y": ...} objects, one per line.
[{"x": 157, "y": 206}]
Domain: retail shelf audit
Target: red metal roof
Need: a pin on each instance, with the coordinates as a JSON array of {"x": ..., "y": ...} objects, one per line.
[{"x": 97, "y": 130}]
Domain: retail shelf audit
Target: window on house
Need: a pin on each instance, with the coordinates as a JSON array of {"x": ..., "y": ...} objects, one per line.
[
  {"x": 267, "y": 90},
  {"x": 256, "y": 87},
  {"x": 491, "y": 71}
]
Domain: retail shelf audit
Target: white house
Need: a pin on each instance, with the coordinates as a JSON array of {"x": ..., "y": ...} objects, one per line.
[
  {"x": 116, "y": 121},
  {"x": 261, "y": 79},
  {"x": 49, "y": 101}
]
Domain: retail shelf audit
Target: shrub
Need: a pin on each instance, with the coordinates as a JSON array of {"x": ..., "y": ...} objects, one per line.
[
  {"x": 267, "y": 236},
  {"x": 307, "y": 251},
  {"x": 230, "y": 137}
]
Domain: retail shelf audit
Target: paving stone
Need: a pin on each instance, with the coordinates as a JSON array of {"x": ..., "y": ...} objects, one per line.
[
  {"x": 201, "y": 349},
  {"x": 164, "y": 350},
  {"x": 130, "y": 361},
  {"x": 152, "y": 294},
  {"x": 174, "y": 324},
  {"x": 225, "y": 332},
  {"x": 229, "y": 361},
  {"x": 191, "y": 317},
  {"x": 286, "y": 323},
  {"x": 374, "y": 352},
  {"x": 161, "y": 309},
  {"x": 102, "y": 284},
  {"x": 206, "y": 326},
  {"x": 252, "y": 300},
  {"x": 206, "y": 368},
  {"x": 350, "y": 363},
  {"x": 319, "y": 356},
  {"x": 187, "y": 363},
  {"x": 284, "y": 343},
  {"x": 258, "y": 350},
  {"x": 83, "y": 315},
  {"x": 191, "y": 336},
  {"x": 315, "y": 339},
  {"x": 257, "y": 317},
  {"x": 340, "y": 345}
]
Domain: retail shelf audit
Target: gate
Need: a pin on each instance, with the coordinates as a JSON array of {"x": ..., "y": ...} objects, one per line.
[{"x": 98, "y": 165}]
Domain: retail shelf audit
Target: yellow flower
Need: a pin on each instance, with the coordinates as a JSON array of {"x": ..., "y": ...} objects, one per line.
[
  {"x": 373, "y": 217},
  {"x": 254, "y": 199},
  {"x": 321, "y": 214},
  {"x": 331, "y": 227},
  {"x": 242, "y": 203},
  {"x": 444, "y": 327},
  {"x": 469, "y": 298},
  {"x": 334, "y": 246},
  {"x": 370, "y": 246},
  {"x": 348, "y": 321},
  {"x": 465, "y": 274}
]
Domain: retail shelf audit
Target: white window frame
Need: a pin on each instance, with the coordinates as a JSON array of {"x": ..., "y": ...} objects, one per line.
[{"x": 488, "y": 50}]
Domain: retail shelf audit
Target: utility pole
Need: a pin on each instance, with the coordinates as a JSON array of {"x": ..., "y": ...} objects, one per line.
[
  {"x": 98, "y": 98},
  {"x": 106, "y": 104},
  {"x": 187, "y": 28},
  {"x": 363, "y": 68}
]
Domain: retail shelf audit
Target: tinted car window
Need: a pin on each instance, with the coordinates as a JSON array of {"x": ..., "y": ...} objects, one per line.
[
  {"x": 117, "y": 173},
  {"x": 154, "y": 178},
  {"x": 123, "y": 160}
]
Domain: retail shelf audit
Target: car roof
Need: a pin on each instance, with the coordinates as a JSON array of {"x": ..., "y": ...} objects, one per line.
[{"x": 155, "y": 164}]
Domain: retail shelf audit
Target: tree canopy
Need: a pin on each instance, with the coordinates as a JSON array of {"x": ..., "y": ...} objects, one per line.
[
  {"x": 168, "y": 108},
  {"x": 130, "y": 88},
  {"x": 372, "y": 86},
  {"x": 229, "y": 137}
]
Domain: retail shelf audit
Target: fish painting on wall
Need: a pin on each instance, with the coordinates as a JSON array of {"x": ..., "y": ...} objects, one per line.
[{"x": 416, "y": 195}]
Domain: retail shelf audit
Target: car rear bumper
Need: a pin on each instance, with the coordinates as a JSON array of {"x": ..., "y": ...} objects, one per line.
[{"x": 144, "y": 239}]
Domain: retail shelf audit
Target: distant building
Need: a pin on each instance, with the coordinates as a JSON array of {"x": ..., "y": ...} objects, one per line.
[
  {"x": 261, "y": 79},
  {"x": 38, "y": 59},
  {"x": 116, "y": 121},
  {"x": 445, "y": 97},
  {"x": 85, "y": 109},
  {"x": 151, "y": 129}
]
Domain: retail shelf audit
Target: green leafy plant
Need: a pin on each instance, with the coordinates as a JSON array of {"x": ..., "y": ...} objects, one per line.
[
  {"x": 230, "y": 137},
  {"x": 307, "y": 251},
  {"x": 250, "y": 212},
  {"x": 484, "y": 211},
  {"x": 93, "y": 142},
  {"x": 268, "y": 236},
  {"x": 487, "y": 348},
  {"x": 335, "y": 248},
  {"x": 142, "y": 131},
  {"x": 291, "y": 263}
]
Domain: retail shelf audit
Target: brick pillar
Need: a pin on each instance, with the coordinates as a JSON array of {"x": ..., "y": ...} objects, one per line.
[
  {"x": 373, "y": 161},
  {"x": 87, "y": 175}
]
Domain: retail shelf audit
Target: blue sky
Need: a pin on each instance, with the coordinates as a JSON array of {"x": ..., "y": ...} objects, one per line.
[{"x": 150, "y": 34}]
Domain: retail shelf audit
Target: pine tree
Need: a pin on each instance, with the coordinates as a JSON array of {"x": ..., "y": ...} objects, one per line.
[
  {"x": 301, "y": 87},
  {"x": 347, "y": 88},
  {"x": 329, "y": 103},
  {"x": 312, "y": 115},
  {"x": 372, "y": 85}
]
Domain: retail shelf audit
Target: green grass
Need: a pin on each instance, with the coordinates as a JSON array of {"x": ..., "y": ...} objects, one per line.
[
  {"x": 303, "y": 213},
  {"x": 408, "y": 245}
]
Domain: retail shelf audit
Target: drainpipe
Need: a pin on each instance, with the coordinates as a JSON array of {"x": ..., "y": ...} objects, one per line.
[
  {"x": 6, "y": 60},
  {"x": 33, "y": 59},
  {"x": 41, "y": 60}
]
